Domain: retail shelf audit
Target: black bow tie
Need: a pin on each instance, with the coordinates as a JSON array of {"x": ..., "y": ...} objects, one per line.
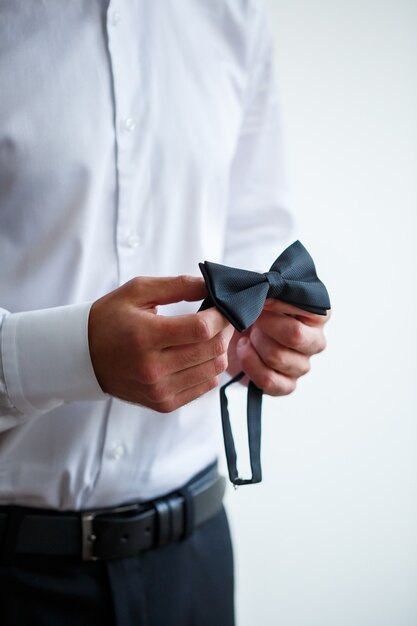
[{"x": 240, "y": 296}]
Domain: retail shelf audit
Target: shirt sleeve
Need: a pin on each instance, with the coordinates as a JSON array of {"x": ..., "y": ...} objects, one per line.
[
  {"x": 259, "y": 220},
  {"x": 44, "y": 362}
]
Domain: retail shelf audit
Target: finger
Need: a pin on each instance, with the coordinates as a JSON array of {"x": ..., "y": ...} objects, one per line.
[
  {"x": 185, "y": 397},
  {"x": 151, "y": 291},
  {"x": 177, "y": 358},
  {"x": 187, "y": 329},
  {"x": 271, "y": 382},
  {"x": 278, "y": 357},
  {"x": 292, "y": 333},
  {"x": 172, "y": 385},
  {"x": 200, "y": 373},
  {"x": 313, "y": 319}
]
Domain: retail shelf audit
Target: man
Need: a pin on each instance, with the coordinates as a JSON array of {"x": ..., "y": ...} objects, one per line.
[{"x": 136, "y": 139}]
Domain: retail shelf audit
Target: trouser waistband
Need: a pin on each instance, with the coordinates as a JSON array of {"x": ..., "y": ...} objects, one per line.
[{"x": 112, "y": 533}]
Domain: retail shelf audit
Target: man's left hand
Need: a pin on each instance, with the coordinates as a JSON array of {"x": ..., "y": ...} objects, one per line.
[{"x": 276, "y": 350}]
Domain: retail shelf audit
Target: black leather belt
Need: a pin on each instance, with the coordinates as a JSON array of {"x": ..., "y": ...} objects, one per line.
[{"x": 112, "y": 533}]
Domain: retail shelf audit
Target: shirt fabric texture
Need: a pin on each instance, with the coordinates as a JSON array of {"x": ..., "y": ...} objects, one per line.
[{"x": 136, "y": 138}]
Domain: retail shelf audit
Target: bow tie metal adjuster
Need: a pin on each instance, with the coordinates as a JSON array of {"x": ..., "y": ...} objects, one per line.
[{"x": 240, "y": 296}]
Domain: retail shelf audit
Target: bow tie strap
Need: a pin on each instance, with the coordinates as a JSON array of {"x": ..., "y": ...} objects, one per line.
[
  {"x": 254, "y": 411},
  {"x": 240, "y": 296}
]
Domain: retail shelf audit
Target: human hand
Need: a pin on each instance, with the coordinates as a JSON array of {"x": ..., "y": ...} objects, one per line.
[
  {"x": 276, "y": 350},
  {"x": 153, "y": 360}
]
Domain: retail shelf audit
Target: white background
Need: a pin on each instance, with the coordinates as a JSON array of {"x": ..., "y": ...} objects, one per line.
[{"x": 330, "y": 536}]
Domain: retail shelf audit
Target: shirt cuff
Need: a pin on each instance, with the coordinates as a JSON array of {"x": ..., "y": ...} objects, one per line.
[{"x": 46, "y": 358}]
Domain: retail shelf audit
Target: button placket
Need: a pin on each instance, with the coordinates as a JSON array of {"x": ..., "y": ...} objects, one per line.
[
  {"x": 117, "y": 451},
  {"x": 133, "y": 240},
  {"x": 128, "y": 124},
  {"x": 124, "y": 49},
  {"x": 115, "y": 18}
]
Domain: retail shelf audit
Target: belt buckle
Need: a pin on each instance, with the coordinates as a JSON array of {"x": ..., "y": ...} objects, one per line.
[{"x": 88, "y": 537}]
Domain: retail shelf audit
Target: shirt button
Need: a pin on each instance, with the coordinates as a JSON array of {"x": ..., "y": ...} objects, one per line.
[
  {"x": 117, "y": 452},
  {"x": 115, "y": 18},
  {"x": 133, "y": 240},
  {"x": 129, "y": 124}
]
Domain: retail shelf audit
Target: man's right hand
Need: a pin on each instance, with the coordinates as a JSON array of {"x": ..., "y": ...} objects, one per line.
[{"x": 153, "y": 360}]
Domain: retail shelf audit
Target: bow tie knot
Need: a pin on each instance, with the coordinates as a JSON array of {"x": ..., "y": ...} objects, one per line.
[{"x": 276, "y": 284}]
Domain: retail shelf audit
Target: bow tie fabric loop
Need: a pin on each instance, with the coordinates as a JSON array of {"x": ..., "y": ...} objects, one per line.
[
  {"x": 276, "y": 284},
  {"x": 240, "y": 296}
]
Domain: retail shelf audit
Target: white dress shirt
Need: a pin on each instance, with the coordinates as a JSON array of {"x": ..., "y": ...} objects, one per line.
[{"x": 137, "y": 137}]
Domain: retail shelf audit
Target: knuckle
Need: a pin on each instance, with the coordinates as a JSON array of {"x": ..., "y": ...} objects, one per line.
[
  {"x": 131, "y": 284},
  {"x": 213, "y": 383},
  {"x": 220, "y": 345},
  {"x": 135, "y": 284},
  {"x": 275, "y": 359},
  {"x": 266, "y": 380},
  {"x": 306, "y": 367},
  {"x": 296, "y": 334},
  {"x": 321, "y": 344},
  {"x": 167, "y": 406},
  {"x": 183, "y": 281},
  {"x": 202, "y": 330},
  {"x": 245, "y": 360},
  {"x": 220, "y": 364},
  {"x": 190, "y": 356},
  {"x": 156, "y": 393},
  {"x": 283, "y": 387},
  {"x": 291, "y": 385},
  {"x": 149, "y": 373},
  {"x": 270, "y": 361}
]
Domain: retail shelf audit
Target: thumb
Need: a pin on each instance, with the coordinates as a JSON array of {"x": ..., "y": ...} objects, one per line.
[{"x": 151, "y": 291}]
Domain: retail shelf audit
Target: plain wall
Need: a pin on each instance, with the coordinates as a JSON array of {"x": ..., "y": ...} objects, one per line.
[{"x": 330, "y": 536}]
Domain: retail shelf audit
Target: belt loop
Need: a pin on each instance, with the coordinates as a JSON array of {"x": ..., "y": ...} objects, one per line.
[
  {"x": 163, "y": 522},
  {"x": 11, "y": 535},
  {"x": 188, "y": 512}
]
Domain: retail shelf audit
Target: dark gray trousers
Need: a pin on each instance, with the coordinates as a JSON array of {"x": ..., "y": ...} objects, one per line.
[{"x": 189, "y": 583}]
